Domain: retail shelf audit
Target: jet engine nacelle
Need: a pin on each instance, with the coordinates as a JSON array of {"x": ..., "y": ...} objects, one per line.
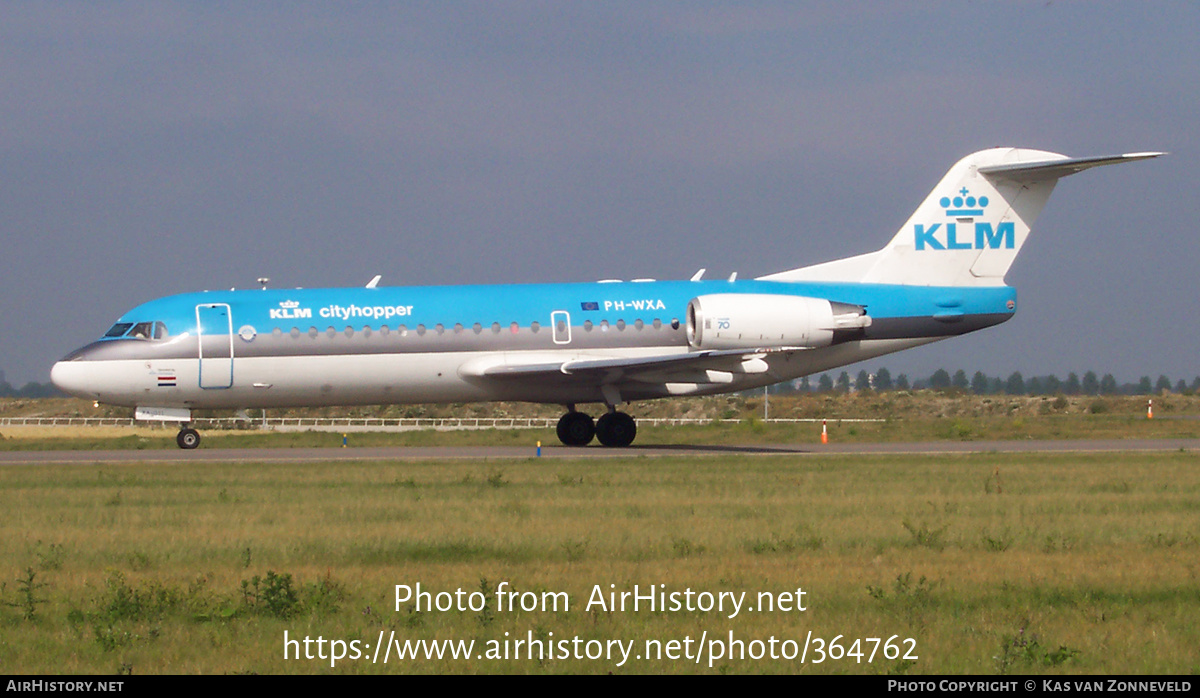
[{"x": 761, "y": 321}]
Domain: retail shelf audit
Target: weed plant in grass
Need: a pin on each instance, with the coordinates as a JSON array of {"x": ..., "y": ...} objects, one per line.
[{"x": 991, "y": 563}]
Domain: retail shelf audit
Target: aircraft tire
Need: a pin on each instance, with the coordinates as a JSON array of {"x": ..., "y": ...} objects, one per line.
[
  {"x": 576, "y": 429},
  {"x": 188, "y": 439},
  {"x": 616, "y": 429}
]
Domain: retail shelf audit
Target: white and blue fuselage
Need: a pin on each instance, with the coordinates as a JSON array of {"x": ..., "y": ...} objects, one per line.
[{"x": 348, "y": 346}]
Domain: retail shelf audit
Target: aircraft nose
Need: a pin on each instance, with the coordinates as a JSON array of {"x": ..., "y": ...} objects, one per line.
[{"x": 72, "y": 377}]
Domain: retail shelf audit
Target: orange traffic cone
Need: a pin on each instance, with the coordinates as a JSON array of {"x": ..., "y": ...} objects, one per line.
[{"x": 824, "y": 433}]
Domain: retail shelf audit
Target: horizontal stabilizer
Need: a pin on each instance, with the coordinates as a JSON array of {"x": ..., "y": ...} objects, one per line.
[{"x": 1053, "y": 169}]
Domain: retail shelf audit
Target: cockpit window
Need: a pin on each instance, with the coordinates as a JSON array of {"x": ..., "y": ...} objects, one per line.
[{"x": 142, "y": 330}]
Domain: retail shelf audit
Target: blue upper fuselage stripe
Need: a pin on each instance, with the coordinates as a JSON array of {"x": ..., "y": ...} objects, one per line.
[{"x": 526, "y": 303}]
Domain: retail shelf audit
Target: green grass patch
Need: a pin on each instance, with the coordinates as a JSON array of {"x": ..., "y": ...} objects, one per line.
[{"x": 992, "y": 563}]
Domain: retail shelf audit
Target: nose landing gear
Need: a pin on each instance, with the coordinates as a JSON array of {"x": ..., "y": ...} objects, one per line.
[{"x": 188, "y": 438}]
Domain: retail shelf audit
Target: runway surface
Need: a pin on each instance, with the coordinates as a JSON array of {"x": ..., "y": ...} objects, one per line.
[{"x": 314, "y": 455}]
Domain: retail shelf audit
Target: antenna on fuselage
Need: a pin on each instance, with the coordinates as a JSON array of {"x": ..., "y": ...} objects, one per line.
[
  {"x": 374, "y": 282},
  {"x": 262, "y": 281},
  {"x": 698, "y": 275}
]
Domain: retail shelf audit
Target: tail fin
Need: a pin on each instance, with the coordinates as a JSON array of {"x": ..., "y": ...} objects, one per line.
[{"x": 969, "y": 230}]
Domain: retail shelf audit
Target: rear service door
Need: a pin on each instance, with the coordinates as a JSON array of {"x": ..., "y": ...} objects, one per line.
[{"x": 214, "y": 327}]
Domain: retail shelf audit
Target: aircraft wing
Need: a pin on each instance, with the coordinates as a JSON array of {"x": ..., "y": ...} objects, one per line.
[{"x": 700, "y": 366}]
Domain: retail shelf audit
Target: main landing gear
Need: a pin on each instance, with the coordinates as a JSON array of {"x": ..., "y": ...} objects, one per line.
[
  {"x": 612, "y": 429},
  {"x": 188, "y": 438}
]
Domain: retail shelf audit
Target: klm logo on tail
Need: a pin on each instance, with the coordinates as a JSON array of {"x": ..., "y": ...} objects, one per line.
[
  {"x": 934, "y": 237},
  {"x": 1002, "y": 236}
]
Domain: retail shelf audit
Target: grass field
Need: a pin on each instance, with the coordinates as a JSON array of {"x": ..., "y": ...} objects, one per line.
[
  {"x": 903, "y": 416},
  {"x": 748, "y": 432},
  {"x": 990, "y": 563}
]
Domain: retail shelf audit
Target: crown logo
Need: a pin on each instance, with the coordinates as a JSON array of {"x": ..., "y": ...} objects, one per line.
[
  {"x": 964, "y": 204},
  {"x": 289, "y": 304}
]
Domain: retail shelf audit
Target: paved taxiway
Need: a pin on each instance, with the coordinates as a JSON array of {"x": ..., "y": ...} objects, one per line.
[{"x": 313, "y": 455}]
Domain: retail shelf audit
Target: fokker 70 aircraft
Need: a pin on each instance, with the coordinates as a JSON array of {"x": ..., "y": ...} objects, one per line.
[{"x": 571, "y": 344}]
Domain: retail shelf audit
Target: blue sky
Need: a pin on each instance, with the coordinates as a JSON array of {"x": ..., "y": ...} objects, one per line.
[{"x": 157, "y": 148}]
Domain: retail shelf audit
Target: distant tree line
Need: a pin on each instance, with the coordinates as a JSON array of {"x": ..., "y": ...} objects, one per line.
[
  {"x": 983, "y": 384},
  {"x": 30, "y": 389}
]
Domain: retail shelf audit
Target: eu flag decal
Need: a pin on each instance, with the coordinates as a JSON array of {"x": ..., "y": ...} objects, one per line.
[{"x": 590, "y": 305}]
